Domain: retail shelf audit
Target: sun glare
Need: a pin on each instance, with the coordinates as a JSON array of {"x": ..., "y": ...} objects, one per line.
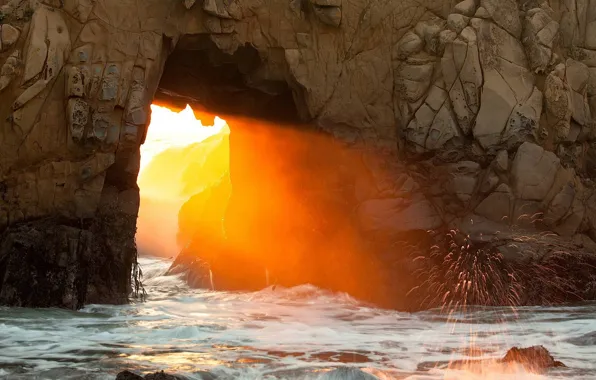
[
  {"x": 171, "y": 129},
  {"x": 174, "y": 166}
]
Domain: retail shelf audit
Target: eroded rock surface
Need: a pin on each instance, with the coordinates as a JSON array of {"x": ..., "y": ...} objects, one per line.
[{"x": 482, "y": 111}]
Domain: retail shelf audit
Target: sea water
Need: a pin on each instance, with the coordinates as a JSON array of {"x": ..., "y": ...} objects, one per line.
[{"x": 278, "y": 333}]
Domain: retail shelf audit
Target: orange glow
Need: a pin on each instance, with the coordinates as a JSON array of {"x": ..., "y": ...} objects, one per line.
[
  {"x": 491, "y": 370},
  {"x": 173, "y": 168}
]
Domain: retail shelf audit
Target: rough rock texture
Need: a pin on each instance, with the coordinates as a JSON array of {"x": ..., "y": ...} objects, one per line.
[{"x": 480, "y": 110}]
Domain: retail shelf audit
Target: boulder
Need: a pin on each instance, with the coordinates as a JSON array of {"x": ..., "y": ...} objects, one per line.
[
  {"x": 534, "y": 359},
  {"x": 533, "y": 171}
]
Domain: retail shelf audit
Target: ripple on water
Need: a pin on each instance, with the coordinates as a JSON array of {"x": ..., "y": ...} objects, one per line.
[{"x": 277, "y": 333}]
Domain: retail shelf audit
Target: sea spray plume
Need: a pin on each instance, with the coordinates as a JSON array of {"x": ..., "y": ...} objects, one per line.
[
  {"x": 456, "y": 272},
  {"x": 524, "y": 269}
]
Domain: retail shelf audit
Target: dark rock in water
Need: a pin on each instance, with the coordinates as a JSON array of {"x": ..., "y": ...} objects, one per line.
[
  {"x": 534, "y": 358},
  {"x": 59, "y": 263},
  {"x": 66, "y": 263},
  {"x": 163, "y": 376},
  {"x": 348, "y": 373},
  {"x": 127, "y": 375}
]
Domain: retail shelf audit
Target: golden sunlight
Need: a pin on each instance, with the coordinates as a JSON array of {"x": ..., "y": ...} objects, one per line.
[
  {"x": 179, "y": 158},
  {"x": 169, "y": 129}
]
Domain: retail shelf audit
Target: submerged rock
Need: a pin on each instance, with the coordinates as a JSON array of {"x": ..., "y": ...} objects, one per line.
[
  {"x": 127, "y": 375},
  {"x": 348, "y": 373}
]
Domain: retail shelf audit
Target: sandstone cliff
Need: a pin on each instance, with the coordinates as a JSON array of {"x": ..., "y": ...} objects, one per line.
[{"x": 482, "y": 111}]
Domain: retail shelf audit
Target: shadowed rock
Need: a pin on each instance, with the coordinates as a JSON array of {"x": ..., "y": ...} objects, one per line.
[{"x": 127, "y": 375}]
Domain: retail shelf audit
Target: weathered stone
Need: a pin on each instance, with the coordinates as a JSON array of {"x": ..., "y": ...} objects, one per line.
[
  {"x": 491, "y": 180},
  {"x": 573, "y": 219},
  {"x": 466, "y": 8},
  {"x": 560, "y": 205},
  {"x": 533, "y": 171},
  {"x": 501, "y": 162},
  {"x": 389, "y": 77},
  {"x": 457, "y": 22},
  {"x": 109, "y": 84},
  {"x": 498, "y": 101},
  {"x": 328, "y": 15},
  {"x": 505, "y": 14},
  {"x": 78, "y": 117},
  {"x": 577, "y": 76},
  {"x": 9, "y": 70},
  {"x": 136, "y": 112},
  {"x": 557, "y": 99},
  {"x": 75, "y": 82},
  {"x": 9, "y": 36},
  {"x": 189, "y": 3},
  {"x": 216, "y": 8},
  {"x": 538, "y": 37},
  {"x": 100, "y": 126},
  {"x": 411, "y": 43},
  {"x": 524, "y": 120},
  {"x": 497, "y": 206},
  {"x": 393, "y": 216}
]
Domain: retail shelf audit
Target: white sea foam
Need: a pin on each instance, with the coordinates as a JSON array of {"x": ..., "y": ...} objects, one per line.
[{"x": 278, "y": 333}]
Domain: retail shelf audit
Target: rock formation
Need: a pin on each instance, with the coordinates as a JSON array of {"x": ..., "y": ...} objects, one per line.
[
  {"x": 534, "y": 359},
  {"x": 479, "y": 116}
]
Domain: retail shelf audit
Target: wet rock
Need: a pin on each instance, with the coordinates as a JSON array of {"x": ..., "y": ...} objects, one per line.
[
  {"x": 347, "y": 373},
  {"x": 535, "y": 358},
  {"x": 127, "y": 375},
  {"x": 50, "y": 255},
  {"x": 164, "y": 376}
]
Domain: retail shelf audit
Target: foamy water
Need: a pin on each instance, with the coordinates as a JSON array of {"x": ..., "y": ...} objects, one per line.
[{"x": 296, "y": 333}]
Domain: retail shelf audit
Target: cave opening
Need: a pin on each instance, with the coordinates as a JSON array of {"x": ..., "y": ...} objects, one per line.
[
  {"x": 184, "y": 176},
  {"x": 271, "y": 198}
]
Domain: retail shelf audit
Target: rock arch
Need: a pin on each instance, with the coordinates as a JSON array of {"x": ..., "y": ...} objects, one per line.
[{"x": 472, "y": 96}]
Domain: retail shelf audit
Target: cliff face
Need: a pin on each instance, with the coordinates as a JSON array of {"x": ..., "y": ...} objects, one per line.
[{"x": 490, "y": 103}]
